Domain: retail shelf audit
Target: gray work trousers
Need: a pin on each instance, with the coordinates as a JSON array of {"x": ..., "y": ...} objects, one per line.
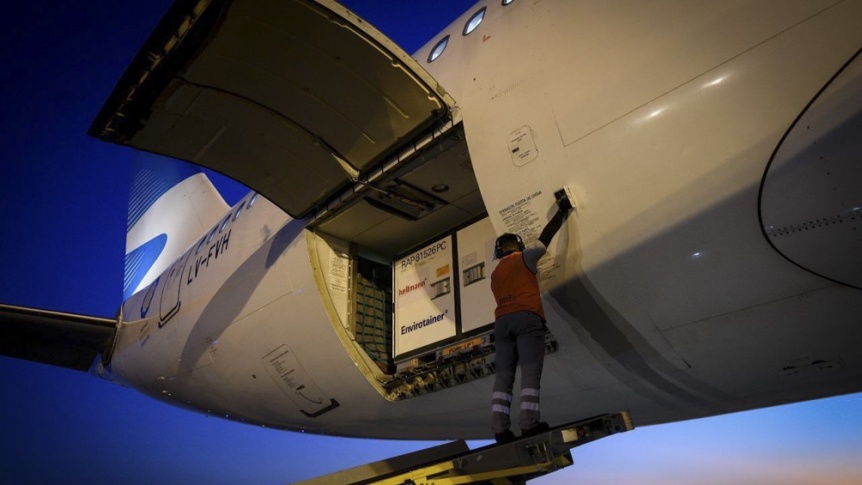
[{"x": 519, "y": 339}]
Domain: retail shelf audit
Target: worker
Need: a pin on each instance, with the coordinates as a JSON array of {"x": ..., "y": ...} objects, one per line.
[{"x": 519, "y": 328}]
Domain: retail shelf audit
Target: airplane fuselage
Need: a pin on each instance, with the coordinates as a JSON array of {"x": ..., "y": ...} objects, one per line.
[{"x": 669, "y": 292}]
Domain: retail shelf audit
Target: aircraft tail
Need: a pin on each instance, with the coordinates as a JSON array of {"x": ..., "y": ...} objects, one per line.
[{"x": 171, "y": 205}]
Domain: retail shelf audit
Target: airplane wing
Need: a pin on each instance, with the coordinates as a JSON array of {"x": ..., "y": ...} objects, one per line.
[
  {"x": 55, "y": 338},
  {"x": 297, "y": 99}
]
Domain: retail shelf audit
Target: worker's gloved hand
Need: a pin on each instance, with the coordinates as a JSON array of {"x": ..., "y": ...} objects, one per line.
[{"x": 563, "y": 202}]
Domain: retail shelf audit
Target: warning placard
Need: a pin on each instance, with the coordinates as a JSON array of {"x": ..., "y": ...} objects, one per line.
[{"x": 424, "y": 298}]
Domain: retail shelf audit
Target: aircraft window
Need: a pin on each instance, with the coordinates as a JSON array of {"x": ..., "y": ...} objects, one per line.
[
  {"x": 238, "y": 211},
  {"x": 252, "y": 200},
  {"x": 438, "y": 49},
  {"x": 474, "y": 21},
  {"x": 212, "y": 235},
  {"x": 200, "y": 245},
  {"x": 224, "y": 224},
  {"x": 507, "y": 2}
]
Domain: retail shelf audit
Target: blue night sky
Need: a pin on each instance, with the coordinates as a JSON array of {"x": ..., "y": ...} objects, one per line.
[{"x": 63, "y": 202}]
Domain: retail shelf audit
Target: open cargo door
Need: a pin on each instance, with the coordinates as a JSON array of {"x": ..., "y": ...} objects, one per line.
[{"x": 296, "y": 99}]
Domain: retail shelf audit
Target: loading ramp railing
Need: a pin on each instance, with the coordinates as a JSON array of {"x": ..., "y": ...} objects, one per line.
[{"x": 498, "y": 464}]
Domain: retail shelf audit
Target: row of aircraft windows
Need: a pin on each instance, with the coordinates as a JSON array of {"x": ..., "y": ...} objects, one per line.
[
  {"x": 469, "y": 27},
  {"x": 221, "y": 227}
]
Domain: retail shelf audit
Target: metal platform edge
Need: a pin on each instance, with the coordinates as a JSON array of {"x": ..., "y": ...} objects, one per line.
[{"x": 520, "y": 460}]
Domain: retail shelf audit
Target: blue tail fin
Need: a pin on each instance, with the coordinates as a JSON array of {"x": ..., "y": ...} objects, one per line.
[{"x": 171, "y": 204}]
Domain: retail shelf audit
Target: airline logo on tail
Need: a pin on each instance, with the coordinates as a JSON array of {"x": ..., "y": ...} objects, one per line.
[{"x": 171, "y": 205}]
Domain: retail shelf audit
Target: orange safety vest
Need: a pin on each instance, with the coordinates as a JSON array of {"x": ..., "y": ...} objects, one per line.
[{"x": 515, "y": 287}]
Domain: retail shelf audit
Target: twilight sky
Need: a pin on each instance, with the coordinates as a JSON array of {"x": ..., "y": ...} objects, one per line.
[{"x": 63, "y": 201}]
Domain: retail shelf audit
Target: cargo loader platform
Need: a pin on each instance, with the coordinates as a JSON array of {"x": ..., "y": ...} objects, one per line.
[{"x": 509, "y": 463}]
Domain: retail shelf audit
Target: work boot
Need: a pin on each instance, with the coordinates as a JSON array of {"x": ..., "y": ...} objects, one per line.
[
  {"x": 505, "y": 437},
  {"x": 539, "y": 428}
]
